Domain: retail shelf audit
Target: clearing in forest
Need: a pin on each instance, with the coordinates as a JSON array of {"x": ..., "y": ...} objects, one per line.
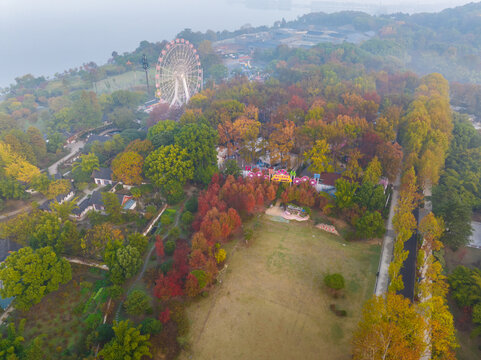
[{"x": 271, "y": 303}]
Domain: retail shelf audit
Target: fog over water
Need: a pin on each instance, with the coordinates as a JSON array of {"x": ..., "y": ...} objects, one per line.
[{"x": 43, "y": 37}]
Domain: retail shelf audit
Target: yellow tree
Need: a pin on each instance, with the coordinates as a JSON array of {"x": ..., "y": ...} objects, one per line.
[
  {"x": 15, "y": 165},
  {"x": 127, "y": 168},
  {"x": 58, "y": 187},
  {"x": 319, "y": 157},
  {"x": 246, "y": 133},
  {"x": 373, "y": 171},
  {"x": 281, "y": 141},
  {"x": 390, "y": 329},
  {"x": 353, "y": 169}
]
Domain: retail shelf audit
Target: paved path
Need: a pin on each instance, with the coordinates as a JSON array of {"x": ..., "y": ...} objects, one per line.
[
  {"x": 10, "y": 214},
  {"x": 74, "y": 148},
  {"x": 87, "y": 263},
  {"x": 382, "y": 281}
]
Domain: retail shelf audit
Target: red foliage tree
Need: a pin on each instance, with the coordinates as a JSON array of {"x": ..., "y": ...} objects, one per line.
[
  {"x": 159, "y": 247},
  {"x": 168, "y": 286}
]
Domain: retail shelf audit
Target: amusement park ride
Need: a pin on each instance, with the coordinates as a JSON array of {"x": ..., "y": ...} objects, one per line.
[{"x": 178, "y": 73}]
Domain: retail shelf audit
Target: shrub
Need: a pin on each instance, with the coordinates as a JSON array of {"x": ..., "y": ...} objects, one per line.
[
  {"x": 169, "y": 247},
  {"x": 151, "y": 326},
  {"x": 220, "y": 256},
  {"x": 137, "y": 303},
  {"x": 334, "y": 281}
]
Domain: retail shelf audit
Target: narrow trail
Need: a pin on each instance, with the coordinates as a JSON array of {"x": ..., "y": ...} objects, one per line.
[{"x": 149, "y": 254}]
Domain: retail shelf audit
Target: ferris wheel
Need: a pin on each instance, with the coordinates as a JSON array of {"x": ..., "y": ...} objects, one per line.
[{"x": 178, "y": 73}]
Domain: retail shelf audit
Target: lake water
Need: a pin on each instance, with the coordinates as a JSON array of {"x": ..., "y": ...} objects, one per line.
[{"x": 43, "y": 37}]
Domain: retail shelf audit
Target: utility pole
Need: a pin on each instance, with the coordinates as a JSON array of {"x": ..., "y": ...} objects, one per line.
[{"x": 145, "y": 66}]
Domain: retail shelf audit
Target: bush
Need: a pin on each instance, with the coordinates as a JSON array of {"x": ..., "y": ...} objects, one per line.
[
  {"x": 137, "y": 303},
  {"x": 191, "y": 204},
  {"x": 334, "y": 281},
  {"x": 169, "y": 247},
  {"x": 151, "y": 326}
]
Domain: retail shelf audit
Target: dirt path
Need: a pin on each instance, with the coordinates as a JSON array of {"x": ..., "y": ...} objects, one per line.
[{"x": 149, "y": 254}]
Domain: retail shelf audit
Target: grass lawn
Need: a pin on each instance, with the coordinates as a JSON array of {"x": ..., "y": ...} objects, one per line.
[
  {"x": 130, "y": 80},
  {"x": 55, "y": 315},
  {"x": 270, "y": 303}
]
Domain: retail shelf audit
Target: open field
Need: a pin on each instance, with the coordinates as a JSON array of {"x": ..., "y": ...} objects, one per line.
[
  {"x": 61, "y": 315},
  {"x": 270, "y": 303},
  {"x": 130, "y": 80}
]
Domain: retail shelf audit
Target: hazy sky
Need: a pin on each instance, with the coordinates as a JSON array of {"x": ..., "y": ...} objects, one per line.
[{"x": 47, "y": 36}]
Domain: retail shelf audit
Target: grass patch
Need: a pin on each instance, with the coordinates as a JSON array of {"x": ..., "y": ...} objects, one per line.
[{"x": 271, "y": 302}]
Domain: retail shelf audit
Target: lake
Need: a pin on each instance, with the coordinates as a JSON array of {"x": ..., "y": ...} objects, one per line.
[{"x": 49, "y": 36}]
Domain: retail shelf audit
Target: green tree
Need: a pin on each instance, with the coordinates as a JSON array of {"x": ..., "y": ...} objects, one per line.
[
  {"x": 169, "y": 167},
  {"x": 126, "y": 263},
  {"x": 138, "y": 241},
  {"x": 37, "y": 142},
  {"x": 345, "y": 191},
  {"x": 151, "y": 326},
  {"x": 231, "y": 168},
  {"x": 369, "y": 225},
  {"x": 122, "y": 117},
  {"x": 319, "y": 157},
  {"x": 29, "y": 275},
  {"x": 199, "y": 140},
  {"x": 63, "y": 210},
  {"x": 187, "y": 218},
  {"x": 370, "y": 196},
  {"x": 113, "y": 208},
  {"x": 36, "y": 350},
  {"x": 88, "y": 163},
  {"x": 128, "y": 343},
  {"x": 11, "y": 343},
  {"x": 373, "y": 171},
  {"x": 86, "y": 111},
  {"x": 162, "y": 133},
  {"x": 334, "y": 281},
  {"x": 457, "y": 219},
  {"x": 137, "y": 303}
]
